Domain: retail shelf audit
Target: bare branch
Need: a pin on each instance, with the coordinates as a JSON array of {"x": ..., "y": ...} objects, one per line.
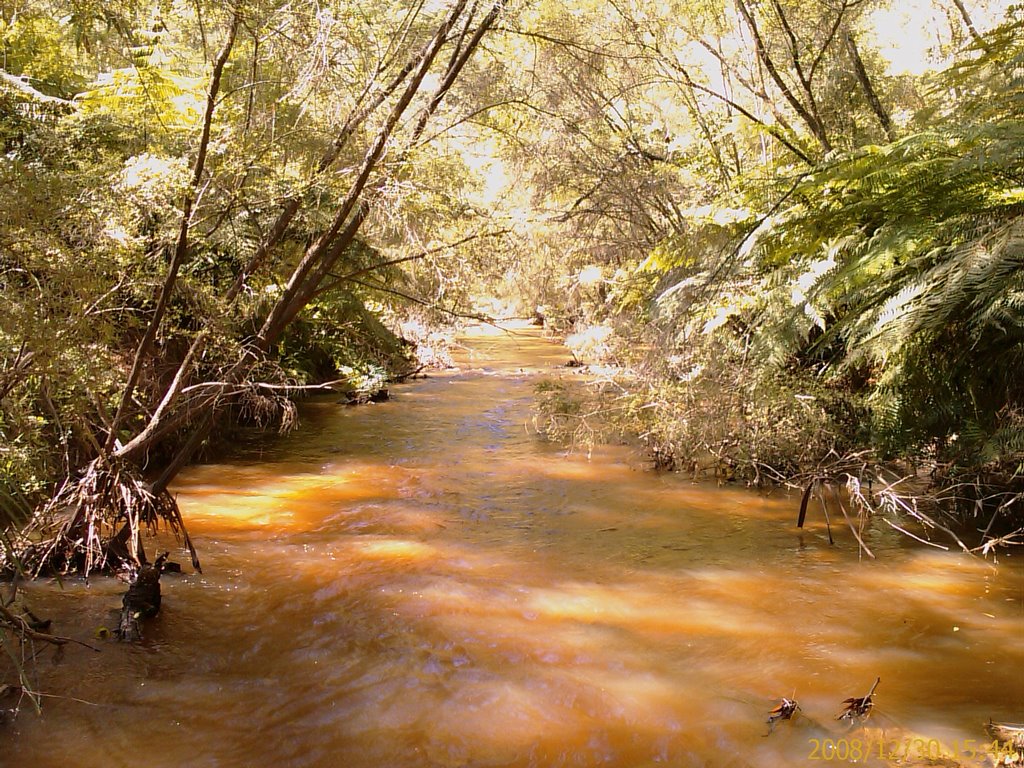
[{"x": 339, "y": 279}]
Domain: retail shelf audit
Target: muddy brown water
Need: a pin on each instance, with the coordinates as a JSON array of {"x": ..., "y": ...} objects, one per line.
[{"x": 427, "y": 582}]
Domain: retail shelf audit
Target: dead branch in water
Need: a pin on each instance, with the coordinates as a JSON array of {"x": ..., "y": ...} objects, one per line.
[
  {"x": 1011, "y": 734},
  {"x": 900, "y": 501},
  {"x": 23, "y": 627},
  {"x": 19, "y": 633},
  {"x": 859, "y": 708}
]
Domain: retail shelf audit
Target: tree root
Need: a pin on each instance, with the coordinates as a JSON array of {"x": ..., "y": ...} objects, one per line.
[{"x": 96, "y": 521}]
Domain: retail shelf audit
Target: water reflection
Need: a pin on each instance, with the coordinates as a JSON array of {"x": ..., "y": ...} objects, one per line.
[{"x": 427, "y": 582}]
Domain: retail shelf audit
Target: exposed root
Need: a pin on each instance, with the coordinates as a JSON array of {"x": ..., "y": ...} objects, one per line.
[
  {"x": 96, "y": 523},
  {"x": 25, "y": 627},
  {"x": 264, "y": 407}
]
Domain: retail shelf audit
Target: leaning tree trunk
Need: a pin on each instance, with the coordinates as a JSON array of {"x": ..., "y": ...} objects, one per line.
[
  {"x": 151, "y": 502},
  {"x": 320, "y": 259},
  {"x": 322, "y": 269},
  {"x": 96, "y": 520},
  {"x": 322, "y": 250}
]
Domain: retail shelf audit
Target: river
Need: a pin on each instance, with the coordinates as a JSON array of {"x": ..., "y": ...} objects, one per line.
[{"x": 429, "y": 582}]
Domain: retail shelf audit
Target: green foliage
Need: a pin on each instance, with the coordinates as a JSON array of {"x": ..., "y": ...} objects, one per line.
[
  {"x": 161, "y": 104},
  {"x": 93, "y": 190},
  {"x": 797, "y": 307},
  {"x": 34, "y": 45},
  {"x": 628, "y": 167},
  {"x": 59, "y": 264},
  {"x": 711, "y": 411},
  {"x": 338, "y": 337},
  {"x": 906, "y": 260},
  {"x": 15, "y": 506}
]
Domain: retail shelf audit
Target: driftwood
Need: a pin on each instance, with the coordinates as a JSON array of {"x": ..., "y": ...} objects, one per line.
[
  {"x": 783, "y": 711},
  {"x": 29, "y": 627},
  {"x": 142, "y": 600}
]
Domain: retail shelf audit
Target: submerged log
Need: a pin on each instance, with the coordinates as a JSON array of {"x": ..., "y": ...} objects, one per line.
[
  {"x": 142, "y": 600},
  {"x": 362, "y": 397}
]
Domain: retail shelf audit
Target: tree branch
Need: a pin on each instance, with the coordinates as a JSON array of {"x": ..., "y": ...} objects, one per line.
[
  {"x": 866, "y": 86},
  {"x": 292, "y": 205},
  {"x": 743, "y": 111},
  {"x": 325, "y": 249},
  {"x": 811, "y": 120},
  {"x": 339, "y": 279},
  {"x": 966, "y": 16}
]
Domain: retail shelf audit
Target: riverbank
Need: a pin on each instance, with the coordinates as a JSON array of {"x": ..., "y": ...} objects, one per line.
[
  {"x": 428, "y": 581},
  {"x": 712, "y": 418}
]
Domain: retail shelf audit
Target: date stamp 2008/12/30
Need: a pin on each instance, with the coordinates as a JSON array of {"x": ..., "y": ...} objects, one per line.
[{"x": 846, "y": 750}]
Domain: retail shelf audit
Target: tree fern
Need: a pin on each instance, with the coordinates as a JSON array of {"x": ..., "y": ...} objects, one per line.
[{"x": 908, "y": 260}]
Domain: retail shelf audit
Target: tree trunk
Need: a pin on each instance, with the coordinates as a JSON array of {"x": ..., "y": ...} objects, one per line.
[
  {"x": 865, "y": 83},
  {"x": 966, "y": 16},
  {"x": 345, "y": 239},
  {"x": 329, "y": 247},
  {"x": 282, "y": 313},
  {"x": 292, "y": 205}
]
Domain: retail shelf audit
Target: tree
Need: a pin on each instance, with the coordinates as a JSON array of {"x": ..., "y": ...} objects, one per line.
[
  {"x": 193, "y": 357},
  {"x": 908, "y": 258}
]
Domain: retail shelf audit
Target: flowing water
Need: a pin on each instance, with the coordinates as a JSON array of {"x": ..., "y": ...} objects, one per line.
[{"x": 427, "y": 582}]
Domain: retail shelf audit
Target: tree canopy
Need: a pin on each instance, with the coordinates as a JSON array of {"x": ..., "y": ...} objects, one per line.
[{"x": 799, "y": 247}]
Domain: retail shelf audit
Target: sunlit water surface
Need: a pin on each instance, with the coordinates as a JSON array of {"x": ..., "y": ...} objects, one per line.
[{"x": 428, "y": 582}]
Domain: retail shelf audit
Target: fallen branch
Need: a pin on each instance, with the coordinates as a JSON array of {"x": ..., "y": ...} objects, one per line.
[
  {"x": 905, "y": 532},
  {"x": 240, "y": 388},
  {"x": 20, "y": 625}
]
